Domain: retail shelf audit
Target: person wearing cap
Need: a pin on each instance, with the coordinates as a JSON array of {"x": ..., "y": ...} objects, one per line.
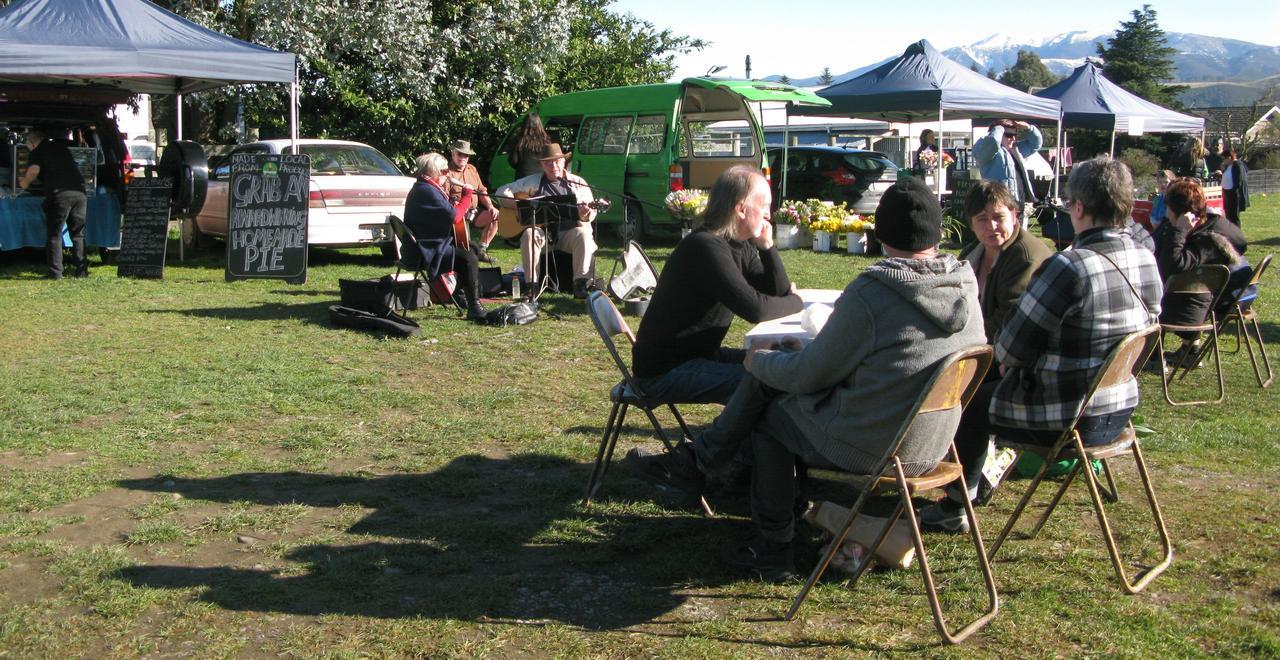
[
  {"x": 839, "y": 401},
  {"x": 1079, "y": 304},
  {"x": 999, "y": 155},
  {"x": 483, "y": 215},
  {"x": 573, "y": 235}
]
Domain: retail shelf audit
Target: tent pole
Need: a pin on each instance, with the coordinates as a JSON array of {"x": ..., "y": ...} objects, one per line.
[
  {"x": 178, "y": 123},
  {"x": 1113, "y": 142},
  {"x": 939, "y": 170},
  {"x": 1057, "y": 162},
  {"x": 293, "y": 114},
  {"x": 786, "y": 146}
]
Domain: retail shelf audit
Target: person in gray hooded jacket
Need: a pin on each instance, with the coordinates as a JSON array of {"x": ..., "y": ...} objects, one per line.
[{"x": 839, "y": 401}]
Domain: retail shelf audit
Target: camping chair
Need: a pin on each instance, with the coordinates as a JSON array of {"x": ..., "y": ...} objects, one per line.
[
  {"x": 626, "y": 394},
  {"x": 953, "y": 384},
  {"x": 1125, "y": 362},
  {"x": 1240, "y": 312},
  {"x": 425, "y": 262},
  {"x": 1208, "y": 280},
  {"x": 637, "y": 274}
]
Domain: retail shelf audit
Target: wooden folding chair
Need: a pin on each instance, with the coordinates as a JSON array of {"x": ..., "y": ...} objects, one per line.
[
  {"x": 410, "y": 257},
  {"x": 1210, "y": 280},
  {"x": 625, "y": 395},
  {"x": 1241, "y": 314},
  {"x": 1125, "y": 362},
  {"x": 955, "y": 380}
]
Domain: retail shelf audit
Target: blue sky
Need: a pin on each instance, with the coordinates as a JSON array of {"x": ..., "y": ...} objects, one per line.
[{"x": 800, "y": 37}]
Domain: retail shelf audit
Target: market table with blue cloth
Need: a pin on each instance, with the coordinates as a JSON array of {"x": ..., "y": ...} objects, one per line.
[{"x": 22, "y": 222}]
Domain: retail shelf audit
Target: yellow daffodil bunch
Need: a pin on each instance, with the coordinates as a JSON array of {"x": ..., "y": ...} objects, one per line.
[
  {"x": 686, "y": 205},
  {"x": 857, "y": 224},
  {"x": 825, "y": 216}
]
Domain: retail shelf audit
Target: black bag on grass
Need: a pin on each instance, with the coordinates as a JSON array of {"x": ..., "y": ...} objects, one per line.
[
  {"x": 521, "y": 313},
  {"x": 387, "y": 322}
]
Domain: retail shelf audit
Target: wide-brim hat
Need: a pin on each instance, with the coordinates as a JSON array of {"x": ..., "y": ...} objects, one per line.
[
  {"x": 553, "y": 152},
  {"x": 462, "y": 147}
]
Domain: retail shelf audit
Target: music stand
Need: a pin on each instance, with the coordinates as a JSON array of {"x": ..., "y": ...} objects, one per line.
[{"x": 547, "y": 212}]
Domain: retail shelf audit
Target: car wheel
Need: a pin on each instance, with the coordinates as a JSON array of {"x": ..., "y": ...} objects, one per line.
[
  {"x": 192, "y": 238},
  {"x": 634, "y": 223}
]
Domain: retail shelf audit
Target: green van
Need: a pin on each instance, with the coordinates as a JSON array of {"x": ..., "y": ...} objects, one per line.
[{"x": 636, "y": 144}]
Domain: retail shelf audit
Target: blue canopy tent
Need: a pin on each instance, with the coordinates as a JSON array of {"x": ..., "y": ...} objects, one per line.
[
  {"x": 923, "y": 83},
  {"x": 131, "y": 45},
  {"x": 1089, "y": 100}
]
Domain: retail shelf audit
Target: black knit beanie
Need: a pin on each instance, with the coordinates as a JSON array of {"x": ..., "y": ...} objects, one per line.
[{"x": 908, "y": 217}]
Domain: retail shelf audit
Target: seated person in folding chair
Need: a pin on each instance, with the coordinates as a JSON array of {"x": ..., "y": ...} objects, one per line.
[
  {"x": 727, "y": 267},
  {"x": 431, "y": 218},
  {"x": 1077, "y": 307},
  {"x": 1193, "y": 236},
  {"x": 573, "y": 236},
  {"x": 839, "y": 401}
]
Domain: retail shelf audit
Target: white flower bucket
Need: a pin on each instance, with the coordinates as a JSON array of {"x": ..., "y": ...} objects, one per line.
[
  {"x": 823, "y": 241},
  {"x": 855, "y": 242},
  {"x": 787, "y": 237}
]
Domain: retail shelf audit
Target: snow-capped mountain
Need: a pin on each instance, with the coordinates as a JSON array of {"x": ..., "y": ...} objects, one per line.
[{"x": 1199, "y": 59}]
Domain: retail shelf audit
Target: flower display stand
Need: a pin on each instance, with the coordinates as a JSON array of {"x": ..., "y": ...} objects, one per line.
[
  {"x": 855, "y": 242},
  {"x": 824, "y": 241},
  {"x": 788, "y": 237}
]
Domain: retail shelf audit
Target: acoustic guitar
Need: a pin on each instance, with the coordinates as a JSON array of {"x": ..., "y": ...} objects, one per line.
[{"x": 510, "y": 227}]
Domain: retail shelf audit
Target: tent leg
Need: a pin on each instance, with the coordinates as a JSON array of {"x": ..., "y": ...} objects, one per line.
[
  {"x": 177, "y": 129},
  {"x": 786, "y": 146},
  {"x": 293, "y": 114}
]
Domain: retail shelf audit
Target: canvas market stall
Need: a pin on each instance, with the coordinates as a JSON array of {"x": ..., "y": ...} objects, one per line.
[
  {"x": 922, "y": 85},
  {"x": 73, "y": 49}
]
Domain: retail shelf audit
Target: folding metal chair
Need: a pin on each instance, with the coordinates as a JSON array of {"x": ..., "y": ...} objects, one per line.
[
  {"x": 1126, "y": 361},
  {"x": 1240, "y": 313},
  {"x": 954, "y": 382},
  {"x": 626, "y": 394},
  {"x": 426, "y": 265},
  {"x": 1211, "y": 281}
]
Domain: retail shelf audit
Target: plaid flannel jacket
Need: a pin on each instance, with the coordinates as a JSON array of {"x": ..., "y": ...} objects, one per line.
[{"x": 1076, "y": 308}]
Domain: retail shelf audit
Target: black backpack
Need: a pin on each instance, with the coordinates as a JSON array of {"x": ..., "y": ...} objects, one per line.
[
  {"x": 387, "y": 322},
  {"x": 521, "y": 313}
]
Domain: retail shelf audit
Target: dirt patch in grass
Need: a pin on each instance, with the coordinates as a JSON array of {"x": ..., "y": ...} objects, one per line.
[{"x": 53, "y": 459}]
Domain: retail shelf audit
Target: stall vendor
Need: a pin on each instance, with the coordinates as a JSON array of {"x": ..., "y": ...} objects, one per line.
[{"x": 64, "y": 201}]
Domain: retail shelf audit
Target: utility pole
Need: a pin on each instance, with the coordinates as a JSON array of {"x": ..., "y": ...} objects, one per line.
[{"x": 748, "y": 67}]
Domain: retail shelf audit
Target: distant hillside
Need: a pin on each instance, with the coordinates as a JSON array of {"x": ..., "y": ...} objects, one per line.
[{"x": 1231, "y": 72}]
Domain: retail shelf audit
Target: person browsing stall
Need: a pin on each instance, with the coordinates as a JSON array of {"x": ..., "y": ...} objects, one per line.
[
  {"x": 431, "y": 217},
  {"x": 838, "y": 402},
  {"x": 463, "y": 174},
  {"x": 727, "y": 267},
  {"x": 1080, "y": 303},
  {"x": 1000, "y": 155},
  {"x": 64, "y": 201},
  {"x": 1235, "y": 185},
  {"x": 1004, "y": 255},
  {"x": 573, "y": 235}
]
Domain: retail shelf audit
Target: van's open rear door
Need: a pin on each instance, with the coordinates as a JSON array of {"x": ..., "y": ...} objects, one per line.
[{"x": 761, "y": 91}]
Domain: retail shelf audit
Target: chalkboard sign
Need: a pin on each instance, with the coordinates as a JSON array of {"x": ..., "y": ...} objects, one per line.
[
  {"x": 145, "y": 231},
  {"x": 267, "y": 217}
]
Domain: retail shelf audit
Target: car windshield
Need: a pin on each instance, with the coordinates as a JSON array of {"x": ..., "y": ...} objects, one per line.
[
  {"x": 878, "y": 166},
  {"x": 142, "y": 151},
  {"x": 337, "y": 159}
]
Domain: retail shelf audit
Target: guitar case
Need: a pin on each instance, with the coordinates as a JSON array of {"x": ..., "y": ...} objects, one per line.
[{"x": 389, "y": 322}]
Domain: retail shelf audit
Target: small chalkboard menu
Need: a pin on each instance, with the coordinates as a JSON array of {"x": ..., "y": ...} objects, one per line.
[
  {"x": 267, "y": 217},
  {"x": 145, "y": 231}
]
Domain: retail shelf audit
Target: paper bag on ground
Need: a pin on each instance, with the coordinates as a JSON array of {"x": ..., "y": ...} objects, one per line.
[{"x": 897, "y": 550}]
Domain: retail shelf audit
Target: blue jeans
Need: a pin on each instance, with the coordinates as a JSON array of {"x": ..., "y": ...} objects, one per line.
[{"x": 699, "y": 380}]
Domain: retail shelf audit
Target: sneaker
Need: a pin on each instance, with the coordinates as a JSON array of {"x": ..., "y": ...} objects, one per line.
[
  {"x": 945, "y": 515},
  {"x": 771, "y": 560},
  {"x": 674, "y": 470}
]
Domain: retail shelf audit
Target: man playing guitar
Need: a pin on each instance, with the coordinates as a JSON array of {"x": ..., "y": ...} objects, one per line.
[
  {"x": 461, "y": 174},
  {"x": 573, "y": 236}
]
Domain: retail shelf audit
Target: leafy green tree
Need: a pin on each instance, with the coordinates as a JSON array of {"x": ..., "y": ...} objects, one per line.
[
  {"x": 825, "y": 78},
  {"x": 410, "y": 75},
  {"x": 1139, "y": 59},
  {"x": 1028, "y": 72},
  {"x": 784, "y": 79}
]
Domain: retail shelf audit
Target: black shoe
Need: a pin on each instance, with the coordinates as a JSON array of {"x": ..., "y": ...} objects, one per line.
[
  {"x": 82, "y": 271},
  {"x": 580, "y": 288},
  {"x": 771, "y": 560},
  {"x": 476, "y": 313},
  {"x": 676, "y": 470},
  {"x": 482, "y": 254},
  {"x": 51, "y": 276}
]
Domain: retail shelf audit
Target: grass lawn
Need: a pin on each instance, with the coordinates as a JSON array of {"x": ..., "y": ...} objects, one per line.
[{"x": 191, "y": 467}]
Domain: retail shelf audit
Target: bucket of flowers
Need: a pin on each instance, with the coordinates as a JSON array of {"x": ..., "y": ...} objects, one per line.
[
  {"x": 686, "y": 206},
  {"x": 856, "y": 228},
  {"x": 824, "y": 223},
  {"x": 789, "y": 225}
]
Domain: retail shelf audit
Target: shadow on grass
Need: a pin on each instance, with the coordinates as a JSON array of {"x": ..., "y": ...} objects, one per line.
[
  {"x": 478, "y": 539},
  {"x": 314, "y": 312}
]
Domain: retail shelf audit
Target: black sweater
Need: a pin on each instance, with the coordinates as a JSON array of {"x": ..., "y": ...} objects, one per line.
[{"x": 706, "y": 281}]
